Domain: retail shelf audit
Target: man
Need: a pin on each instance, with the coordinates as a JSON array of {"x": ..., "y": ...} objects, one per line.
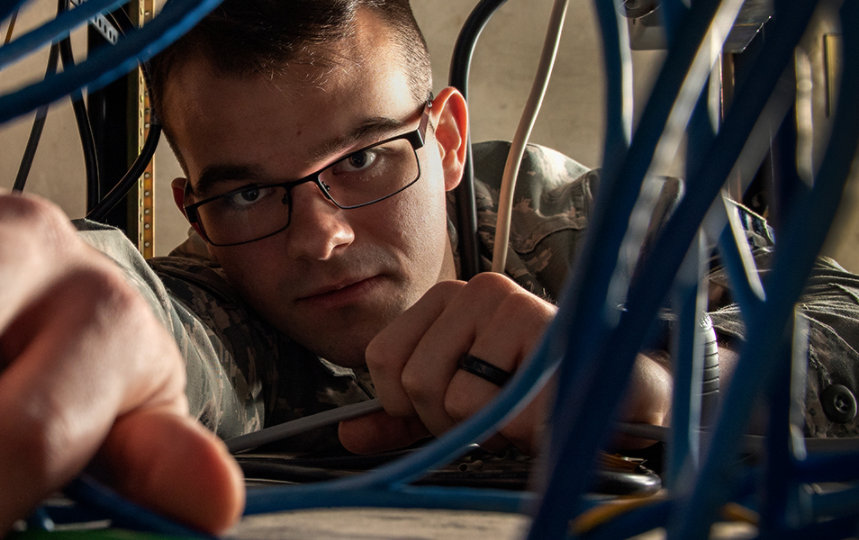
[
  {"x": 331, "y": 280},
  {"x": 334, "y": 278},
  {"x": 338, "y": 275}
]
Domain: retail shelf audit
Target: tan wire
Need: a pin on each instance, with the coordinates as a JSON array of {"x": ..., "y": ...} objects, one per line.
[
  {"x": 11, "y": 27},
  {"x": 599, "y": 515},
  {"x": 523, "y": 132}
]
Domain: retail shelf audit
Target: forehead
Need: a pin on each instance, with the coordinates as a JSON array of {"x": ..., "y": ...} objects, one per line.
[{"x": 277, "y": 120}]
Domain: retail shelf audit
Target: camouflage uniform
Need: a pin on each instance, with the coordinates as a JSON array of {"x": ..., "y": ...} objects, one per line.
[{"x": 243, "y": 374}]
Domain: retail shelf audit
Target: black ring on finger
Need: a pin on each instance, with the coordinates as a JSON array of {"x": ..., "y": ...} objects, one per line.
[{"x": 484, "y": 370}]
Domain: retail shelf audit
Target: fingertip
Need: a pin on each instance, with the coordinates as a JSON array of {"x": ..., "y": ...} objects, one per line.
[
  {"x": 356, "y": 436},
  {"x": 380, "y": 432},
  {"x": 174, "y": 466},
  {"x": 218, "y": 474}
]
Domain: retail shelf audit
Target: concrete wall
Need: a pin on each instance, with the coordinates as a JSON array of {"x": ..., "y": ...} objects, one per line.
[{"x": 504, "y": 64}]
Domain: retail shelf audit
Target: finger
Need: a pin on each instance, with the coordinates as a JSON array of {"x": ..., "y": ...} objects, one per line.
[
  {"x": 171, "y": 464},
  {"x": 506, "y": 339},
  {"x": 70, "y": 372},
  {"x": 380, "y": 432},
  {"x": 66, "y": 383},
  {"x": 469, "y": 315},
  {"x": 388, "y": 353},
  {"x": 33, "y": 237}
]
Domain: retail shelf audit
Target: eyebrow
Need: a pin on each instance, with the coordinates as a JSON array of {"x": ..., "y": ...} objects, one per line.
[
  {"x": 217, "y": 173},
  {"x": 370, "y": 128}
]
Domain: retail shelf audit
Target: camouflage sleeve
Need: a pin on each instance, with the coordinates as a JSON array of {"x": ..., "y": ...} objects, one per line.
[
  {"x": 219, "y": 396},
  {"x": 242, "y": 374},
  {"x": 270, "y": 377},
  {"x": 552, "y": 204},
  {"x": 830, "y": 306},
  {"x": 549, "y": 215}
]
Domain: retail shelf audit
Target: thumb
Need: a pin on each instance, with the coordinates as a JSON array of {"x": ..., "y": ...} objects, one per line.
[
  {"x": 380, "y": 432},
  {"x": 195, "y": 481}
]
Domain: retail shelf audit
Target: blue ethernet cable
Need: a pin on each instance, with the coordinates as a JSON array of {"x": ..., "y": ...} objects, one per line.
[
  {"x": 592, "y": 287},
  {"x": 679, "y": 230},
  {"x": 678, "y": 225},
  {"x": 801, "y": 240},
  {"x": 55, "y": 29},
  {"x": 617, "y": 60},
  {"x": 386, "y": 486},
  {"x": 108, "y": 63},
  {"x": 97, "y": 510},
  {"x": 689, "y": 300},
  {"x": 122, "y": 513}
]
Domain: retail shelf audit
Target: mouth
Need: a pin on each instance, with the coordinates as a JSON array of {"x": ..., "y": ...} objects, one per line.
[{"x": 345, "y": 292}]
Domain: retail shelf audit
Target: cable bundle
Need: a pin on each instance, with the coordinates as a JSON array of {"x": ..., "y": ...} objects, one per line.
[{"x": 591, "y": 340}]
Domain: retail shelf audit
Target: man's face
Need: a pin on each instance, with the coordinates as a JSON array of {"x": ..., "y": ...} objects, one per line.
[{"x": 333, "y": 278}]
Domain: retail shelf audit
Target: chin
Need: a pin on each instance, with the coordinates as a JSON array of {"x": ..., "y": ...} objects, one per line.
[
  {"x": 347, "y": 362},
  {"x": 351, "y": 358},
  {"x": 346, "y": 351}
]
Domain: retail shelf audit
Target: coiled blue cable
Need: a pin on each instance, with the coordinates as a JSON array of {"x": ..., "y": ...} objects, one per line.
[
  {"x": 804, "y": 232},
  {"x": 387, "y": 486},
  {"x": 578, "y": 419},
  {"x": 269, "y": 499},
  {"x": 646, "y": 295}
]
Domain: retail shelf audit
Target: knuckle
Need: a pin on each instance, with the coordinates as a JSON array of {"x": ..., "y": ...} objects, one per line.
[
  {"x": 102, "y": 289},
  {"x": 42, "y": 430},
  {"x": 33, "y": 229},
  {"x": 455, "y": 406},
  {"x": 445, "y": 289},
  {"x": 415, "y": 386},
  {"x": 116, "y": 316},
  {"x": 527, "y": 309},
  {"x": 39, "y": 215},
  {"x": 492, "y": 289},
  {"x": 491, "y": 282},
  {"x": 379, "y": 359}
]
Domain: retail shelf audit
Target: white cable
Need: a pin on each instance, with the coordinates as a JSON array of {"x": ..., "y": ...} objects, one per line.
[
  {"x": 301, "y": 425},
  {"x": 523, "y": 132}
]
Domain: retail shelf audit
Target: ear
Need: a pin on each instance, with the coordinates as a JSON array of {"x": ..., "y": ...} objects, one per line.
[
  {"x": 450, "y": 118},
  {"x": 180, "y": 188}
]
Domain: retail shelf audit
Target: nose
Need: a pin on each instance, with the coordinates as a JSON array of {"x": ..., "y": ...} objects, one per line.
[{"x": 317, "y": 228}]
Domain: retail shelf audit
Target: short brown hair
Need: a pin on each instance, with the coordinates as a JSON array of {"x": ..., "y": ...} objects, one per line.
[{"x": 250, "y": 37}]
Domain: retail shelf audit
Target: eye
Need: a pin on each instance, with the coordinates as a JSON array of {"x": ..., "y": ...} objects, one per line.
[
  {"x": 249, "y": 196},
  {"x": 358, "y": 161}
]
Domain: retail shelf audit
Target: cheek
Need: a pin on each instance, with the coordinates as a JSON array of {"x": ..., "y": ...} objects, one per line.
[
  {"x": 419, "y": 221},
  {"x": 252, "y": 271}
]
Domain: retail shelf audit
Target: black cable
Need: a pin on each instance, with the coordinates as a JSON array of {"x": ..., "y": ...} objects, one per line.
[
  {"x": 99, "y": 211},
  {"x": 120, "y": 190},
  {"x": 123, "y": 26},
  {"x": 36, "y": 130},
  {"x": 83, "y": 123},
  {"x": 466, "y": 209},
  {"x": 42, "y": 112}
]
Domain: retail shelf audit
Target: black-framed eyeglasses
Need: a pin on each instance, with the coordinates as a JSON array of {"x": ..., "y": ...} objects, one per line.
[{"x": 364, "y": 177}]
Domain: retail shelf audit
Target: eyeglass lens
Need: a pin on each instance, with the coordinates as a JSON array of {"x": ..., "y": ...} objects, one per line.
[{"x": 361, "y": 178}]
